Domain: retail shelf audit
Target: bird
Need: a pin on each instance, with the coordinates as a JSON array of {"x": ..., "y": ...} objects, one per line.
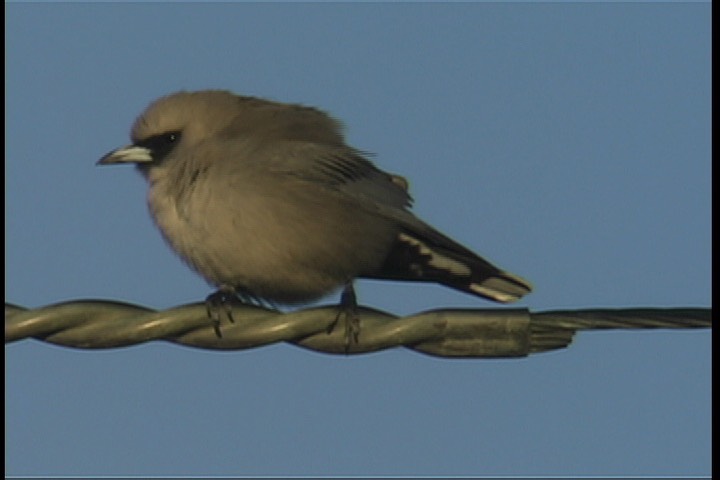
[{"x": 267, "y": 201}]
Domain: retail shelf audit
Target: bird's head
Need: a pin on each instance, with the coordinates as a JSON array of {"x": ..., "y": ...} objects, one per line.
[{"x": 179, "y": 120}]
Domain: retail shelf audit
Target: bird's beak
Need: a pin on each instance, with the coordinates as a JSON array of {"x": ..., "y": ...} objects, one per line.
[{"x": 127, "y": 154}]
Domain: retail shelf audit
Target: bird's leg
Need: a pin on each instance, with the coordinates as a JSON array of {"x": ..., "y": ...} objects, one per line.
[
  {"x": 348, "y": 309},
  {"x": 220, "y": 301}
]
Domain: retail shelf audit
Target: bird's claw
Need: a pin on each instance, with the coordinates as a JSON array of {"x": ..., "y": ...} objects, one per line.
[
  {"x": 348, "y": 309},
  {"x": 217, "y": 302}
]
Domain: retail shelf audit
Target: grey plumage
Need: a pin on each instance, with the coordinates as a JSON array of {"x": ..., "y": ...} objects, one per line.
[{"x": 265, "y": 199}]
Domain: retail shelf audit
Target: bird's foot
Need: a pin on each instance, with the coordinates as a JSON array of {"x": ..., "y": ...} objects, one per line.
[
  {"x": 348, "y": 310},
  {"x": 220, "y": 303}
]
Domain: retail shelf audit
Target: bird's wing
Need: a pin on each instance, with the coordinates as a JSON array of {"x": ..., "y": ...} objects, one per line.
[
  {"x": 420, "y": 253},
  {"x": 349, "y": 174},
  {"x": 342, "y": 170}
]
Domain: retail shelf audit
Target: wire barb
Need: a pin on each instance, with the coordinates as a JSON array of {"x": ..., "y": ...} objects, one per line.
[{"x": 488, "y": 333}]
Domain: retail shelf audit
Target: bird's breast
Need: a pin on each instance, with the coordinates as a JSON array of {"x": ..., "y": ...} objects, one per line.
[{"x": 283, "y": 240}]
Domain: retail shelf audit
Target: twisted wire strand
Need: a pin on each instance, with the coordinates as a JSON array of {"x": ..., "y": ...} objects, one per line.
[{"x": 490, "y": 333}]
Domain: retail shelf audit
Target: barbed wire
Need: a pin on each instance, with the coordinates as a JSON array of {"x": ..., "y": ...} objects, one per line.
[{"x": 490, "y": 333}]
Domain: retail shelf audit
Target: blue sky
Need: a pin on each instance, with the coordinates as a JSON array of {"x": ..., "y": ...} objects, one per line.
[{"x": 569, "y": 143}]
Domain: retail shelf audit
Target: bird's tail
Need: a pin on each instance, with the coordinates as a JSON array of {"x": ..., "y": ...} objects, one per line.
[{"x": 429, "y": 256}]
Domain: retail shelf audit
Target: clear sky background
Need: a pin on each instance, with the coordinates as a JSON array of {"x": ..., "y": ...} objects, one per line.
[{"x": 569, "y": 143}]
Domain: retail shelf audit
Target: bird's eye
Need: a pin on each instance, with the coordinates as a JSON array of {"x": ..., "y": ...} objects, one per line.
[
  {"x": 165, "y": 140},
  {"x": 160, "y": 145}
]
